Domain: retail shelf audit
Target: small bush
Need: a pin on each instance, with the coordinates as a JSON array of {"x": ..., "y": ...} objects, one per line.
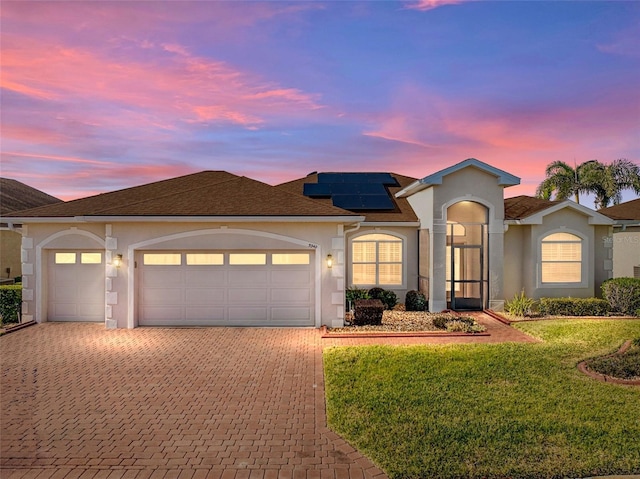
[
  {"x": 389, "y": 299},
  {"x": 368, "y": 312},
  {"x": 574, "y": 307},
  {"x": 10, "y": 303},
  {"x": 520, "y": 305},
  {"x": 457, "y": 324},
  {"x": 353, "y": 294},
  {"x": 375, "y": 293},
  {"x": 415, "y": 301},
  {"x": 623, "y": 294}
]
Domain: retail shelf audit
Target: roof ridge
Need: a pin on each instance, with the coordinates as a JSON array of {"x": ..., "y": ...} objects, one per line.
[{"x": 181, "y": 191}]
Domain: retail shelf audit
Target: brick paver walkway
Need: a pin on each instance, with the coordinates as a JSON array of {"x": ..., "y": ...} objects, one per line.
[{"x": 82, "y": 402}]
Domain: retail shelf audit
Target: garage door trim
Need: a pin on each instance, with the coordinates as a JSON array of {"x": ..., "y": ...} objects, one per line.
[{"x": 301, "y": 244}]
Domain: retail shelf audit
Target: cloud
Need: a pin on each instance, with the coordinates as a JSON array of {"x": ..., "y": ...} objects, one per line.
[
  {"x": 424, "y": 5},
  {"x": 625, "y": 43}
]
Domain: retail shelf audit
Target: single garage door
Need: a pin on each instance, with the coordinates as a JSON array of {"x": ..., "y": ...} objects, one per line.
[
  {"x": 230, "y": 288},
  {"x": 76, "y": 289}
]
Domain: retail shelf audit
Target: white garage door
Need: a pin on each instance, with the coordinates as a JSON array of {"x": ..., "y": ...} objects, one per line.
[
  {"x": 212, "y": 288},
  {"x": 76, "y": 286}
]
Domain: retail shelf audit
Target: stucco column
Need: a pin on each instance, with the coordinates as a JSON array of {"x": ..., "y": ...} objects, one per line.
[
  {"x": 437, "y": 267},
  {"x": 496, "y": 267}
]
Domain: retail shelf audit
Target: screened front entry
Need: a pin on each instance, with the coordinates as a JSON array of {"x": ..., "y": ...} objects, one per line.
[{"x": 467, "y": 271}]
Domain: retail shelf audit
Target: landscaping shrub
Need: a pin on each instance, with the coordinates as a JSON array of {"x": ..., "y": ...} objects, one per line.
[
  {"x": 574, "y": 307},
  {"x": 415, "y": 301},
  {"x": 623, "y": 294},
  {"x": 10, "y": 303},
  {"x": 520, "y": 305},
  {"x": 353, "y": 294},
  {"x": 389, "y": 299},
  {"x": 453, "y": 323},
  {"x": 368, "y": 312},
  {"x": 375, "y": 293}
]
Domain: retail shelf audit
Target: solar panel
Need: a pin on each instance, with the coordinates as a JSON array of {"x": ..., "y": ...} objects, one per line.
[{"x": 354, "y": 191}]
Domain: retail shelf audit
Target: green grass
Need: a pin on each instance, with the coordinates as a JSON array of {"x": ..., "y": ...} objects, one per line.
[{"x": 504, "y": 410}]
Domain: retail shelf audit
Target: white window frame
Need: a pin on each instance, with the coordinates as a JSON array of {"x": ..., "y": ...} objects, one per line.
[
  {"x": 584, "y": 260},
  {"x": 403, "y": 263}
]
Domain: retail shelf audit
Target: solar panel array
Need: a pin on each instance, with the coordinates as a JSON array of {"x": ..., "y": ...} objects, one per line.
[{"x": 354, "y": 191}]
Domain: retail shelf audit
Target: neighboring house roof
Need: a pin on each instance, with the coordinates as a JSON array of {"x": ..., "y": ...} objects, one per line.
[
  {"x": 402, "y": 212},
  {"x": 629, "y": 210},
  {"x": 208, "y": 193},
  {"x": 504, "y": 179},
  {"x": 531, "y": 211},
  {"x": 16, "y": 196}
]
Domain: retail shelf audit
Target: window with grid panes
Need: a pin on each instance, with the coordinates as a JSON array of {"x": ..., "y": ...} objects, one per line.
[
  {"x": 561, "y": 258},
  {"x": 376, "y": 260}
]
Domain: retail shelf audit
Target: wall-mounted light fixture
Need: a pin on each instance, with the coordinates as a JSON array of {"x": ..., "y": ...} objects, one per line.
[
  {"x": 329, "y": 261},
  {"x": 117, "y": 260}
]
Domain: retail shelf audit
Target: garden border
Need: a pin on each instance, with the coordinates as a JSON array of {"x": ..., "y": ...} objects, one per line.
[{"x": 583, "y": 368}]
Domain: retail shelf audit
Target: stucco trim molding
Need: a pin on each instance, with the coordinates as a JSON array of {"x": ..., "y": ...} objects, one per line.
[{"x": 40, "y": 280}]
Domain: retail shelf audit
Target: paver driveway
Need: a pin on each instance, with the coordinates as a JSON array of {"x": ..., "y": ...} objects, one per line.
[{"x": 80, "y": 401}]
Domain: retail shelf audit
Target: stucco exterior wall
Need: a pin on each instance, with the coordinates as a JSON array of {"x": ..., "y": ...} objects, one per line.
[
  {"x": 129, "y": 238},
  {"x": 410, "y": 243},
  {"x": 10, "y": 242},
  {"x": 430, "y": 205},
  {"x": 595, "y": 257},
  {"x": 626, "y": 252},
  {"x": 515, "y": 254}
]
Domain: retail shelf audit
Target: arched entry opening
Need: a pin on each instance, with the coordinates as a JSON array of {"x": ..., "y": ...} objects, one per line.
[{"x": 467, "y": 269}]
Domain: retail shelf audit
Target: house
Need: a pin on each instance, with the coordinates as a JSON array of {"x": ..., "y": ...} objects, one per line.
[
  {"x": 213, "y": 248},
  {"x": 626, "y": 238},
  {"x": 16, "y": 196}
]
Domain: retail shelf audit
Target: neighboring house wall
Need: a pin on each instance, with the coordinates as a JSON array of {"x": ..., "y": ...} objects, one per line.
[
  {"x": 10, "y": 254},
  {"x": 120, "y": 285},
  {"x": 626, "y": 252}
]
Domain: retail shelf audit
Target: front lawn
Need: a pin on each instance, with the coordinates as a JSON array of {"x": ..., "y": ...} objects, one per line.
[{"x": 503, "y": 410}]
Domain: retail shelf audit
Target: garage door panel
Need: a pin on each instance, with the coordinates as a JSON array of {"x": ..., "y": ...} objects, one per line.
[
  {"x": 298, "y": 295},
  {"x": 246, "y": 313},
  {"x": 90, "y": 310},
  {"x": 196, "y": 313},
  {"x": 196, "y": 294},
  {"x": 204, "y": 296},
  {"x": 199, "y": 276},
  {"x": 163, "y": 276},
  {"x": 65, "y": 310},
  {"x": 290, "y": 277},
  {"x": 162, "y": 296},
  {"x": 248, "y": 295},
  {"x": 249, "y": 277},
  {"x": 289, "y": 314}
]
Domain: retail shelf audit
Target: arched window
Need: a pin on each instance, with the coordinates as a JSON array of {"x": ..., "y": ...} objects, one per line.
[
  {"x": 376, "y": 260},
  {"x": 561, "y": 258}
]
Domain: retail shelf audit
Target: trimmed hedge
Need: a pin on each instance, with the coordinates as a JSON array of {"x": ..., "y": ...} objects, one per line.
[
  {"x": 389, "y": 298},
  {"x": 623, "y": 295},
  {"x": 415, "y": 301},
  {"x": 574, "y": 307},
  {"x": 10, "y": 303},
  {"x": 368, "y": 312}
]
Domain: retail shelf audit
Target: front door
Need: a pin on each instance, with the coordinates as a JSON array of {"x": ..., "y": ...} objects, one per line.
[{"x": 467, "y": 285}]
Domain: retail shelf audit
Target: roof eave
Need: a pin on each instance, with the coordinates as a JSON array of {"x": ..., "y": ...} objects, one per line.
[
  {"x": 595, "y": 218},
  {"x": 188, "y": 219}
]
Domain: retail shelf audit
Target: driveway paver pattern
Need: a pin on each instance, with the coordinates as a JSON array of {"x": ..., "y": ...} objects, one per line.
[{"x": 79, "y": 401}]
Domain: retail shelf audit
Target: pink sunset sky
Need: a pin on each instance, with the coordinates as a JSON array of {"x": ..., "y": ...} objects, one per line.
[{"x": 103, "y": 95}]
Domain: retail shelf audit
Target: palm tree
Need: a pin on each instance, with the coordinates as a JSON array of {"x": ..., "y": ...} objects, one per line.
[
  {"x": 606, "y": 182},
  {"x": 620, "y": 175}
]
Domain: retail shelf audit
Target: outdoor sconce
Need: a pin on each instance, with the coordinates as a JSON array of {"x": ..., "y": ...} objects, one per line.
[
  {"x": 329, "y": 261},
  {"x": 117, "y": 261}
]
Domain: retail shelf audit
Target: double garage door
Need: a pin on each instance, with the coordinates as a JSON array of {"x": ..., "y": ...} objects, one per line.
[{"x": 215, "y": 288}]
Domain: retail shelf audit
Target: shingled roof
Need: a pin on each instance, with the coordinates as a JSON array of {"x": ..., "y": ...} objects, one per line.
[
  {"x": 16, "y": 196},
  {"x": 208, "y": 193},
  {"x": 522, "y": 206},
  {"x": 402, "y": 212},
  {"x": 629, "y": 210}
]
